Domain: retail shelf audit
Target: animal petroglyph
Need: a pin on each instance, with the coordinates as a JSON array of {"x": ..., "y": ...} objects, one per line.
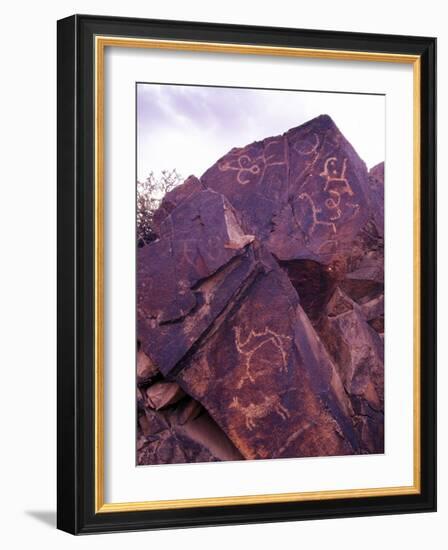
[
  {"x": 255, "y": 411},
  {"x": 252, "y": 343}
]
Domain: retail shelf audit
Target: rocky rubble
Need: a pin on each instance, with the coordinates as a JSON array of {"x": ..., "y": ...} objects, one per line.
[{"x": 260, "y": 306}]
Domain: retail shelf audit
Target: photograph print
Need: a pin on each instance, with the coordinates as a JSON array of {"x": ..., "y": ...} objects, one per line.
[{"x": 260, "y": 273}]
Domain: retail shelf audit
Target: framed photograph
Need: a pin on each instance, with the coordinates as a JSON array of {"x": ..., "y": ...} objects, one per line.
[{"x": 246, "y": 274}]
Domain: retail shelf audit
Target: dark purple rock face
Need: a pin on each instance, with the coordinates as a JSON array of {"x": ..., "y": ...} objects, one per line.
[
  {"x": 376, "y": 196},
  {"x": 260, "y": 306},
  {"x": 267, "y": 380},
  {"x": 188, "y": 275},
  {"x": 304, "y": 193}
]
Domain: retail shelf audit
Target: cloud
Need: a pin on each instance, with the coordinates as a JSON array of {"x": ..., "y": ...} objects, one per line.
[{"x": 190, "y": 127}]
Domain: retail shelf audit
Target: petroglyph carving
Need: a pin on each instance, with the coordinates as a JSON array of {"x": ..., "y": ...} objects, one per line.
[
  {"x": 262, "y": 297},
  {"x": 275, "y": 153},
  {"x": 309, "y": 148},
  {"x": 297, "y": 434},
  {"x": 312, "y": 148},
  {"x": 253, "y": 342},
  {"x": 255, "y": 411},
  {"x": 336, "y": 185},
  {"x": 355, "y": 208},
  {"x": 315, "y": 211},
  {"x": 273, "y": 156},
  {"x": 244, "y": 166},
  {"x": 189, "y": 251},
  {"x": 330, "y": 173},
  {"x": 333, "y": 204}
]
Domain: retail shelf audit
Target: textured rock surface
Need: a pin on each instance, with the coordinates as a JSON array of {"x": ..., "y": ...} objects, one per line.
[
  {"x": 146, "y": 370},
  {"x": 268, "y": 381},
  {"x": 188, "y": 275},
  {"x": 173, "y": 198},
  {"x": 376, "y": 184},
  {"x": 162, "y": 394},
  {"x": 305, "y": 193},
  {"x": 357, "y": 352},
  {"x": 263, "y": 299},
  {"x": 182, "y": 434}
]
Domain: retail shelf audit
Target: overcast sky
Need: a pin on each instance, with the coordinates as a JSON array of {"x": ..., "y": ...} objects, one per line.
[{"x": 190, "y": 127}]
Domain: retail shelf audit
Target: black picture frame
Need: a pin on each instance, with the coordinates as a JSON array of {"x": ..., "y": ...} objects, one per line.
[{"x": 76, "y": 286}]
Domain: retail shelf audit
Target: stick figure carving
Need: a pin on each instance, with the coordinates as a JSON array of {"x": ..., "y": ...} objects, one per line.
[
  {"x": 336, "y": 185},
  {"x": 330, "y": 173}
]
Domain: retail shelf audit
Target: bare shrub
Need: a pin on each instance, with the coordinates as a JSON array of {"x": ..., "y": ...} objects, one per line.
[{"x": 149, "y": 196}]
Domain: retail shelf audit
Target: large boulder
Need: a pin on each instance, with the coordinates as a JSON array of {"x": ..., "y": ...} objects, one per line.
[
  {"x": 267, "y": 380},
  {"x": 357, "y": 351},
  {"x": 305, "y": 193}
]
